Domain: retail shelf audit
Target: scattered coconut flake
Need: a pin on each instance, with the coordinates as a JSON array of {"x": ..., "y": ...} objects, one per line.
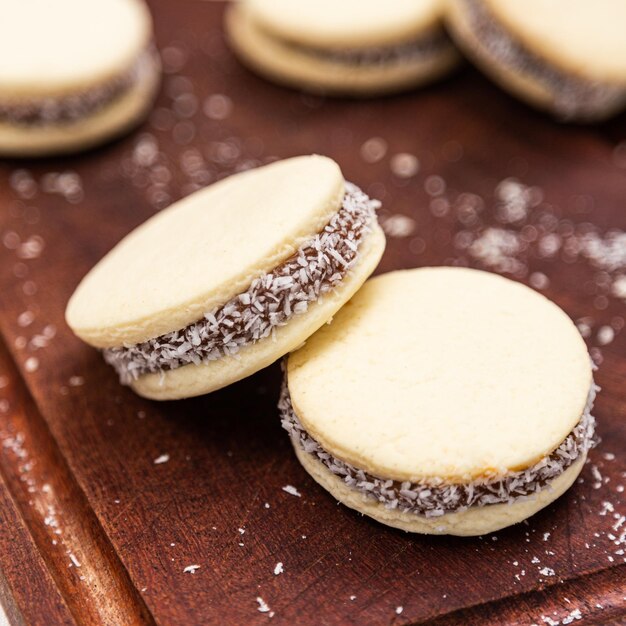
[
  {"x": 218, "y": 106},
  {"x": 538, "y": 280},
  {"x": 191, "y": 569},
  {"x": 515, "y": 200},
  {"x": 374, "y": 150},
  {"x": 25, "y": 319},
  {"x": 404, "y": 165},
  {"x": 31, "y": 364},
  {"x": 434, "y": 185},
  {"x": 574, "y": 615},
  {"x": 399, "y": 610},
  {"x": 398, "y": 226},
  {"x": 74, "y": 560},
  {"x": 164, "y": 458},
  {"x": 607, "y": 507},
  {"x": 605, "y": 335},
  {"x": 263, "y": 607},
  {"x": 547, "y": 571},
  {"x": 278, "y": 569},
  {"x": 292, "y": 491}
]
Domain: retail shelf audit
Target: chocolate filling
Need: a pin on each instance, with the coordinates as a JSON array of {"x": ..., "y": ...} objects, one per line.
[
  {"x": 422, "y": 49},
  {"x": 318, "y": 267},
  {"x": 71, "y": 108},
  {"x": 573, "y": 96},
  {"x": 434, "y": 497}
]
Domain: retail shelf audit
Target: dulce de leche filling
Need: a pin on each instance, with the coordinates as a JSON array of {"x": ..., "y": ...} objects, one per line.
[
  {"x": 434, "y": 497},
  {"x": 424, "y": 48},
  {"x": 318, "y": 267},
  {"x": 573, "y": 96},
  {"x": 74, "y": 107}
]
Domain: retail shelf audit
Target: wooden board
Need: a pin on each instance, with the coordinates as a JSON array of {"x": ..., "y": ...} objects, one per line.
[{"x": 93, "y": 531}]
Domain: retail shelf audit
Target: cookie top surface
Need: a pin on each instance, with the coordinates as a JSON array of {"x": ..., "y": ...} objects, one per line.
[
  {"x": 52, "y": 47},
  {"x": 204, "y": 250},
  {"x": 586, "y": 38},
  {"x": 442, "y": 373},
  {"x": 347, "y": 23}
]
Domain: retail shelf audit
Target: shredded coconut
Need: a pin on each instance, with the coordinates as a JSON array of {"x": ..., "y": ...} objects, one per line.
[
  {"x": 435, "y": 498},
  {"x": 318, "y": 267},
  {"x": 292, "y": 491}
]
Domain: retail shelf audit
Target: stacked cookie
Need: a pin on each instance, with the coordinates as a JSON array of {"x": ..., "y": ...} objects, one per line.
[
  {"x": 566, "y": 57},
  {"x": 351, "y": 47},
  {"x": 73, "y": 73},
  {"x": 229, "y": 279},
  {"x": 441, "y": 400}
]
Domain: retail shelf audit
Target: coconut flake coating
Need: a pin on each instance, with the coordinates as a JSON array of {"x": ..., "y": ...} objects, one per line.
[
  {"x": 573, "y": 97},
  {"x": 423, "y": 48},
  {"x": 71, "y": 108},
  {"x": 318, "y": 267},
  {"x": 434, "y": 497}
]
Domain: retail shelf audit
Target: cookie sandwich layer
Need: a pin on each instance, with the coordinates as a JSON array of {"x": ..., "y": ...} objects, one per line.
[
  {"x": 73, "y": 74},
  {"x": 66, "y": 109},
  {"x": 342, "y": 63},
  {"x": 570, "y": 95},
  {"x": 438, "y": 395},
  {"x": 435, "y": 497},
  {"x": 229, "y": 279},
  {"x": 271, "y": 301}
]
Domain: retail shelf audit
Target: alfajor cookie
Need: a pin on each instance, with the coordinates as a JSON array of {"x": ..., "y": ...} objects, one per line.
[
  {"x": 73, "y": 73},
  {"x": 565, "y": 56},
  {"x": 352, "y": 47},
  {"x": 229, "y": 279},
  {"x": 442, "y": 401}
]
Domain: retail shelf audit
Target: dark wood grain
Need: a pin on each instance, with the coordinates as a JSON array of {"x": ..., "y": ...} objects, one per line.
[
  {"x": 91, "y": 582},
  {"x": 143, "y": 523}
]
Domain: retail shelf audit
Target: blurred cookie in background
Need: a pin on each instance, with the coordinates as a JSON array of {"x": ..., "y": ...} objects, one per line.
[
  {"x": 565, "y": 56},
  {"x": 73, "y": 73},
  {"x": 349, "y": 48}
]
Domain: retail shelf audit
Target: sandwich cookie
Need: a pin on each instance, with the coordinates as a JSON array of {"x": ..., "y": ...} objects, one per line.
[
  {"x": 352, "y": 47},
  {"x": 565, "y": 56},
  {"x": 443, "y": 401},
  {"x": 229, "y": 279},
  {"x": 73, "y": 73}
]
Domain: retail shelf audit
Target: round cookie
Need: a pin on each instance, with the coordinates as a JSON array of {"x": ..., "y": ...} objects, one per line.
[
  {"x": 229, "y": 279},
  {"x": 352, "y": 47},
  {"x": 443, "y": 401},
  {"x": 73, "y": 73},
  {"x": 567, "y": 57}
]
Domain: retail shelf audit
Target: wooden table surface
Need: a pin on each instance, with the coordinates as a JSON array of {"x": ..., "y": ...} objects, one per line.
[{"x": 93, "y": 531}]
